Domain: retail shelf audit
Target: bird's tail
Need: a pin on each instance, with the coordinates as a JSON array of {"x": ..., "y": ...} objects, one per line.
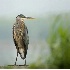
[{"x": 23, "y": 53}]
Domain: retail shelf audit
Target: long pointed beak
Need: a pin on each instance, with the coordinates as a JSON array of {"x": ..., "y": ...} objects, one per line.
[{"x": 30, "y": 18}]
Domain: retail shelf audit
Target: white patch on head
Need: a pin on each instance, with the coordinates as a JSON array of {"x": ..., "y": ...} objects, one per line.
[
  {"x": 18, "y": 17},
  {"x": 22, "y": 19}
]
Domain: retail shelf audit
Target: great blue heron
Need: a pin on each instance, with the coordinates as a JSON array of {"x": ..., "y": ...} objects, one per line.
[{"x": 20, "y": 36}]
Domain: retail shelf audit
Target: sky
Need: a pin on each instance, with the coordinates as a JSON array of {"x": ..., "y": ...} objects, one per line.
[{"x": 32, "y": 7}]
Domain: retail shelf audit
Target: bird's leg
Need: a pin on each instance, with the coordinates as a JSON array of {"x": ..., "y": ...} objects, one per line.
[
  {"x": 25, "y": 53},
  {"x": 16, "y": 58},
  {"x": 25, "y": 62}
]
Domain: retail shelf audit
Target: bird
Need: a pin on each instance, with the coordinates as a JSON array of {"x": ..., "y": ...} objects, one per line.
[{"x": 20, "y": 36}]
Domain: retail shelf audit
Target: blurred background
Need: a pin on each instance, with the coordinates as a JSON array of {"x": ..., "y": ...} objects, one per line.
[{"x": 49, "y": 32}]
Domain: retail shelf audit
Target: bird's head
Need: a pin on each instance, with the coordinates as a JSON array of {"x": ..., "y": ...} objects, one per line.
[{"x": 21, "y": 18}]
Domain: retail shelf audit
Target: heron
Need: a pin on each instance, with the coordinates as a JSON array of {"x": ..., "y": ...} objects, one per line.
[{"x": 20, "y": 36}]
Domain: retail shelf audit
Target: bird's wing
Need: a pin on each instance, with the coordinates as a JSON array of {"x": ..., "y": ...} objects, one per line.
[
  {"x": 26, "y": 37},
  {"x": 14, "y": 35}
]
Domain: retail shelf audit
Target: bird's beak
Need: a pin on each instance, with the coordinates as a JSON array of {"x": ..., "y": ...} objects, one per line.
[{"x": 30, "y": 18}]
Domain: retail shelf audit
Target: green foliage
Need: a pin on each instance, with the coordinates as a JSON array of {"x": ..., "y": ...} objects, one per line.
[
  {"x": 38, "y": 64},
  {"x": 59, "y": 41},
  {"x": 59, "y": 44},
  {"x": 6, "y": 67}
]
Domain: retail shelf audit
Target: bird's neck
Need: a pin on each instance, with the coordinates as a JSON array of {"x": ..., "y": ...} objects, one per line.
[{"x": 20, "y": 22}]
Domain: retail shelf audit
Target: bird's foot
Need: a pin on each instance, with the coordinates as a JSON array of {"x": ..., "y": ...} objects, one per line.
[{"x": 24, "y": 64}]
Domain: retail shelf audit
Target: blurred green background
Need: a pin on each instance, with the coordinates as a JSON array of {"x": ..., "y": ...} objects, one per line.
[{"x": 58, "y": 39}]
